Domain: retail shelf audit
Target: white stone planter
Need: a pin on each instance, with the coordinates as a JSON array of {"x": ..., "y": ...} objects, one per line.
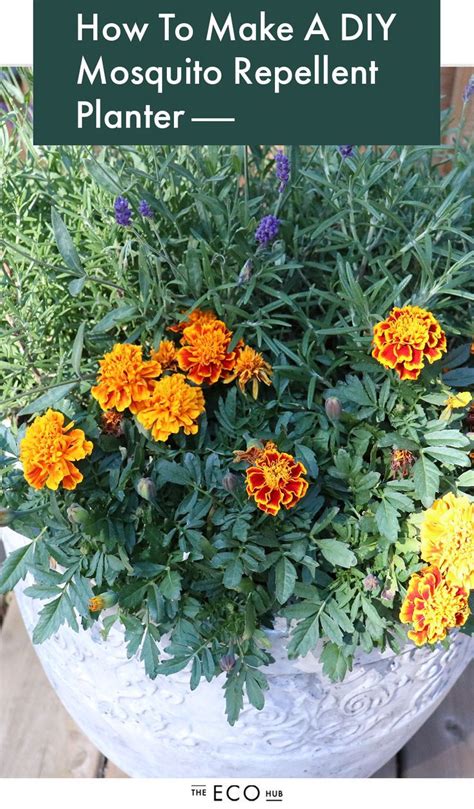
[{"x": 309, "y": 727}]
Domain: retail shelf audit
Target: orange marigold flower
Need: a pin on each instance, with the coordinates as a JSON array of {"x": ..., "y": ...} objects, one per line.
[
  {"x": 407, "y": 338},
  {"x": 250, "y": 367},
  {"x": 166, "y": 355},
  {"x": 204, "y": 355},
  {"x": 173, "y": 405},
  {"x": 433, "y": 606},
  {"x": 447, "y": 539},
  {"x": 198, "y": 315},
  {"x": 125, "y": 378},
  {"x": 48, "y": 450},
  {"x": 112, "y": 422},
  {"x": 276, "y": 480}
]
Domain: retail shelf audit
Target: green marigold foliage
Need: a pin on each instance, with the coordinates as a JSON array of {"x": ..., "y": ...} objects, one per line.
[{"x": 199, "y": 572}]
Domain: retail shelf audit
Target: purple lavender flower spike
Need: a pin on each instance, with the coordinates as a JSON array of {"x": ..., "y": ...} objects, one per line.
[
  {"x": 345, "y": 151},
  {"x": 267, "y": 229},
  {"x": 282, "y": 170},
  {"x": 145, "y": 210},
  {"x": 469, "y": 90},
  {"x": 123, "y": 212}
]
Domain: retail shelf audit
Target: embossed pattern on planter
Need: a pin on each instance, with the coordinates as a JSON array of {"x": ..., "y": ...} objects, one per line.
[{"x": 309, "y": 727}]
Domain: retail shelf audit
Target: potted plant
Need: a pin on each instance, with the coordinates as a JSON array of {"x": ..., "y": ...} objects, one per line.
[{"x": 253, "y": 513}]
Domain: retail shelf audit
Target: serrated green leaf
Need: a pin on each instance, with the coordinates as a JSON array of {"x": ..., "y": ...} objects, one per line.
[
  {"x": 448, "y": 455},
  {"x": 285, "y": 577},
  {"x": 387, "y": 520},
  {"x": 53, "y": 616},
  {"x": 426, "y": 479},
  {"x": 15, "y": 567},
  {"x": 170, "y": 585},
  {"x": 337, "y": 553},
  {"x": 48, "y": 399}
]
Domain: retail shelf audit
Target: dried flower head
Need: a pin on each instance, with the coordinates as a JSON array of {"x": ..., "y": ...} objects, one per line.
[
  {"x": 433, "y": 607},
  {"x": 174, "y": 405},
  {"x": 371, "y": 582},
  {"x": 248, "y": 455},
  {"x": 447, "y": 539},
  {"x": 205, "y": 355},
  {"x": 407, "y": 338},
  {"x": 111, "y": 422},
  {"x": 250, "y": 367},
  {"x": 48, "y": 452},
  {"x": 267, "y": 230},
  {"x": 167, "y": 355},
  {"x": 276, "y": 480},
  {"x": 123, "y": 212},
  {"x": 401, "y": 462},
  {"x": 125, "y": 379}
]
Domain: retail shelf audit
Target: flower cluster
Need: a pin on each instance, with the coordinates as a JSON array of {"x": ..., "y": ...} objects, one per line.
[
  {"x": 345, "y": 151},
  {"x": 267, "y": 230},
  {"x": 406, "y": 338},
  {"x": 437, "y": 597},
  {"x": 282, "y": 170},
  {"x": 123, "y": 212}
]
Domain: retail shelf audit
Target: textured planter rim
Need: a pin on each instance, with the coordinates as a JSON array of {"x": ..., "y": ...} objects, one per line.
[{"x": 309, "y": 727}]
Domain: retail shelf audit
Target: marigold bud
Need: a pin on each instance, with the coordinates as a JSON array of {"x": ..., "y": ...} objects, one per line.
[
  {"x": 103, "y": 601},
  {"x": 371, "y": 582},
  {"x": 77, "y": 514},
  {"x": 333, "y": 408},
  {"x": 146, "y": 489},
  {"x": 6, "y": 517},
  {"x": 227, "y": 662},
  {"x": 230, "y": 481}
]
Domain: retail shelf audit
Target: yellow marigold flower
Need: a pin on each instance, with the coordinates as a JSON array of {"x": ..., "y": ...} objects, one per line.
[
  {"x": 48, "y": 450},
  {"x": 166, "y": 355},
  {"x": 125, "y": 378},
  {"x": 407, "y": 338},
  {"x": 250, "y": 367},
  {"x": 204, "y": 355},
  {"x": 447, "y": 539},
  {"x": 198, "y": 315},
  {"x": 457, "y": 401},
  {"x": 433, "y": 607},
  {"x": 275, "y": 480},
  {"x": 103, "y": 601},
  {"x": 173, "y": 405}
]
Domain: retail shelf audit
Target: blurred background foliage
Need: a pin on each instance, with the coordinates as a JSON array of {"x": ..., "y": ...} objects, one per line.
[{"x": 390, "y": 225}]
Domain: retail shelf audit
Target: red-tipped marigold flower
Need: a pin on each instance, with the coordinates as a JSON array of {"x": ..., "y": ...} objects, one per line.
[
  {"x": 447, "y": 539},
  {"x": 401, "y": 462},
  {"x": 166, "y": 355},
  {"x": 125, "y": 378},
  {"x": 433, "y": 607},
  {"x": 407, "y": 338},
  {"x": 48, "y": 450},
  {"x": 198, "y": 315},
  {"x": 276, "y": 480},
  {"x": 204, "y": 355},
  {"x": 250, "y": 367},
  {"x": 173, "y": 405}
]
